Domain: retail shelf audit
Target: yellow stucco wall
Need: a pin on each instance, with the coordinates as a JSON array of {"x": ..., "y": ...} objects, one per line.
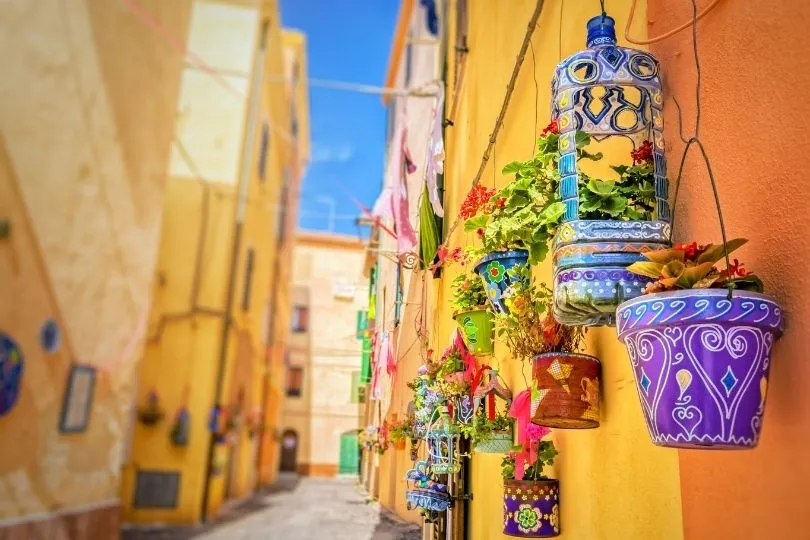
[
  {"x": 182, "y": 358},
  {"x": 614, "y": 483},
  {"x": 87, "y": 118}
]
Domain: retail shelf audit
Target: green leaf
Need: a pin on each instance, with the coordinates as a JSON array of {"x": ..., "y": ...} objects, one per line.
[
  {"x": 475, "y": 223},
  {"x": 715, "y": 252},
  {"x": 582, "y": 139},
  {"x": 693, "y": 274},
  {"x": 553, "y": 212},
  {"x": 584, "y": 154},
  {"x": 511, "y": 168},
  {"x": 603, "y": 188},
  {"x": 663, "y": 256},
  {"x": 537, "y": 252},
  {"x": 620, "y": 169},
  {"x": 614, "y": 206},
  {"x": 645, "y": 268}
]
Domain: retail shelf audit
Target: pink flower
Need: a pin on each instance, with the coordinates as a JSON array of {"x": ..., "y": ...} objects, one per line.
[{"x": 535, "y": 432}]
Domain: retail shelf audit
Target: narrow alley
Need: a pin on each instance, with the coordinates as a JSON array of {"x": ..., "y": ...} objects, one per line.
[{"x": 297, "y": 508}]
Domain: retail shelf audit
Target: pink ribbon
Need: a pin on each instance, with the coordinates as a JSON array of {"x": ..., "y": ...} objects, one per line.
[{"x": 521, "y": 410}]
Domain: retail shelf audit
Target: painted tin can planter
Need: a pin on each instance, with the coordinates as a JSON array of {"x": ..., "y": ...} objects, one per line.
[
  {"x": 494, "y": 268},
  {"x": 476, "y": 326},
  {"x": 531, "y": 508},
  {"x": 701, "y": 364},
  {"x": 590, "y": 260},
  {"x": 568, "y": 385},
  {"x": 499, "y": 443}
]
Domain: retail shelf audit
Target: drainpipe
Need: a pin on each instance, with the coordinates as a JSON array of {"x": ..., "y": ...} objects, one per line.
[{"x": 241, "y": 202}]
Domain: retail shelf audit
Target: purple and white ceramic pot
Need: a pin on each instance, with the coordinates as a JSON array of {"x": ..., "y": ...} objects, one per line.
[
  {"x": 531, "y": 508},
  {"x": 701, "y": 363}
]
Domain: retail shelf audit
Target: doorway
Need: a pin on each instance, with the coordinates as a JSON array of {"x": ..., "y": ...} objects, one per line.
[
  {"x": 289, "y": 451},
  {"x": 349, "y": 453}
]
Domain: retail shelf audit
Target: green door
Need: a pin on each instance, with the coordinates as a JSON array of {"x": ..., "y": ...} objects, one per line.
[{"x": 348, "y": 453}]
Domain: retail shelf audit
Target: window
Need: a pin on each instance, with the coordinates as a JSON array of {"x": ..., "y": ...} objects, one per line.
[
  {"x": 295, "y": 381},
  {"x": 263, "y": 151},
  {"x": 408, "y": 62},
  {"x": 398, "y": 297},
  {"x": 281, "y": 214},
  {"x": 248, "y": 280},
  {"x": 300, "y": 322},
  {"x": 358, "y": 389}
]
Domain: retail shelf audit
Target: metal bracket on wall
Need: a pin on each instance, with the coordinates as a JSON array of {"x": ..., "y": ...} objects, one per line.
[{"x": 5, "y": 229}]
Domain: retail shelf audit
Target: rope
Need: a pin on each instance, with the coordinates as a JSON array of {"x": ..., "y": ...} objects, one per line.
[
  {"x": 665, "y": 35},
  {"x": 695, "y": 140},
  {"x": 510, "y": 87}
]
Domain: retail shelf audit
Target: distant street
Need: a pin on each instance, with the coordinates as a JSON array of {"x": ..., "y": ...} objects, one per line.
[{"x": 298, "y": 509}]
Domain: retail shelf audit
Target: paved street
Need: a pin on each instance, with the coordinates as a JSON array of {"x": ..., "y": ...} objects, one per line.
[{"x": 298, "y": 509}]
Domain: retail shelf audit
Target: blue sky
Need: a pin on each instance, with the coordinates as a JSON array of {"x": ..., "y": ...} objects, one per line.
[{"x": 347, "y": 40}]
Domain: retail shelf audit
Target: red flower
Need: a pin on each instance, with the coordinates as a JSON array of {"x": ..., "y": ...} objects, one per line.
[
  {"x": 691, "y": 251},
  {"x": 480, "y": 232},
  {"x": 642, "y": 154},
  {"x": 735, "y": 269},
  {"x": 476, "y": 199},
  {"x": 501, "y": 202},
  {"x": 429, "y": 353},
  {"x": 552, "y": 127}
]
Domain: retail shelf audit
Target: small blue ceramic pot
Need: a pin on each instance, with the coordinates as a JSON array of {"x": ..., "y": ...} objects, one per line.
[{"x": 494, "y": 270}]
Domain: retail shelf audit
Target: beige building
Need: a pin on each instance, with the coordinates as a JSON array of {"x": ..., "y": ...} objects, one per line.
[{"x": 321, "y": 414}]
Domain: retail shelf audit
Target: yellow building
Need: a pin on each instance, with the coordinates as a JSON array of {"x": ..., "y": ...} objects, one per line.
[
  {"x": 321, "y": 414},
  {"x": 219, "y": 318},
  {"x": 616, "y": 484},
  {"x": 87, "y": 117}
]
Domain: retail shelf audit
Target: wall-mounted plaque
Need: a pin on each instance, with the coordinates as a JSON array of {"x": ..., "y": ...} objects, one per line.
[{"x": 78, "y": 400}]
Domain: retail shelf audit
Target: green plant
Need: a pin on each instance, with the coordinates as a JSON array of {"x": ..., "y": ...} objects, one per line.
[
  {"x": 527, "y": 212},
  {"x": 468, "y": 292},
  {"x": 483, "y": 429},
  {"x": 528, "y": 327},
  {"x": 692, "y": 266},
  {"x": 535, "y": 454},
  {"x": 399, "y": 431}
]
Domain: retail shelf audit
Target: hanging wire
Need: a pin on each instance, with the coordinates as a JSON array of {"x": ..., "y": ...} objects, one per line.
[
  {"x": 695, "y": 140},
  {"x": 602, "y": 5},
  {"x": 665, "y": 35},
  {"x": 559, "y": 36}
]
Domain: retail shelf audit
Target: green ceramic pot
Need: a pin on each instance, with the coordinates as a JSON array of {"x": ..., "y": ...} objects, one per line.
[{"x": 476, "y": 326}]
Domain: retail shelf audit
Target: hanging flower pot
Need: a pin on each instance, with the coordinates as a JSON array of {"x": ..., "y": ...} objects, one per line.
[
  {"x": 494, "y": 269},
  {"x": 701, "y": 356},
  {"x": 531, "y": 508},
  {"x": 476, "y": 325},
  {"x": 499, "y": 442},
  {"x": 531, "y": 501},
  {"x": 608, "y": 220},
  {"x": 425, "y": 492},
  {"x": 567, "y": 386},
  {"x": 150, "y": 414},
  {"x": 471, "y": 313},
  {"x": 180, "y": 430}
]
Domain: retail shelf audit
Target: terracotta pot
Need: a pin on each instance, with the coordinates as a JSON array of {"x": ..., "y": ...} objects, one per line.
[
  {"x": 701, "y": 364},
  {"x": 569, "y": 390},
  {"x": 531, "y": 508}
]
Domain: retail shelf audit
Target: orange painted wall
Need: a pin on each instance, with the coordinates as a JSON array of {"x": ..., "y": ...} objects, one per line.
[{"x": 754, "y": 71}]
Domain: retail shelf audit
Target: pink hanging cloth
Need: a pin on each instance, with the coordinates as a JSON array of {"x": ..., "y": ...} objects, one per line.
[
  {"x": 435, "y": 154},
  {"x": 386, "y": 361},
  {"x": 393, "y": 201}
]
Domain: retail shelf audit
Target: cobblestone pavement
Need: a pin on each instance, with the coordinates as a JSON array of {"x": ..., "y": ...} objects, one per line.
[{"x": 297, "y": 509}]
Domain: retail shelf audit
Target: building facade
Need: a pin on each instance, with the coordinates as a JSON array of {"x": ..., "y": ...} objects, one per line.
[
  {"x": 217, "y": 329},
  {"x": 615, "y": 483},
  {"x": 397, "y": 255},
  {"x": 87, "y": 117},
  {"x": 321, "y": 414}
]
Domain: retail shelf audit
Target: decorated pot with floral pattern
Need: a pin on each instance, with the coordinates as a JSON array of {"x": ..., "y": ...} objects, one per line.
[
  {"x": 494, "y": 270},
  {"x": 531, "y": 508},
  {"x": 701, "y": 362}
]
